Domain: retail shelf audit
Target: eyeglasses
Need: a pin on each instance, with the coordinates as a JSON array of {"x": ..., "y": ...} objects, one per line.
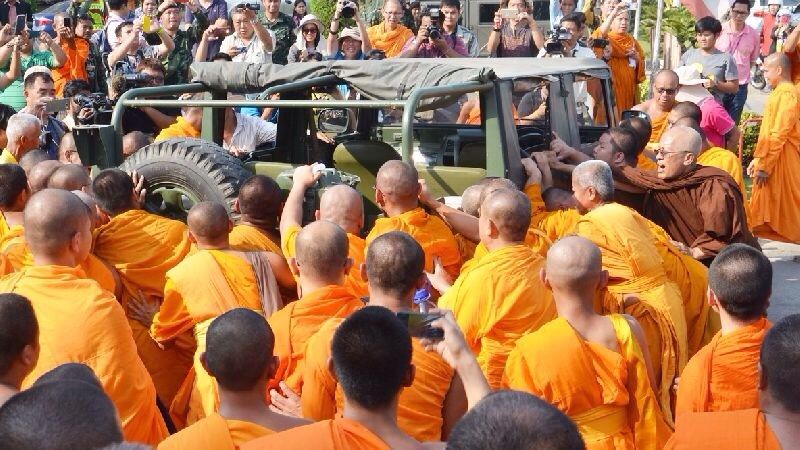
[
  {"x": 740, "y": 13},
  {"x": 310, "y": 30},
  {"x": 393, "y": 14},
  {"x": 667, "y": 91},
  {"x": 661, "y": 151}
]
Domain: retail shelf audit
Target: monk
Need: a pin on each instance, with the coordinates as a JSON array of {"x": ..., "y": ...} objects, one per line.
[
  {"x": 397, "y": 189},
  {"x": 698, "y": 206},
  {"x": 238, "y": 355},
  {"x": 143, "y": 247},
  {"x": 495, "y": 300},
  {"x": 207, "y": 283},
  {"x": 58, "y": 232},
  {"x": 602, "y": 359},
  {"x": 427, "y": 409},
  {"x": 390, "y": 36},
  {"x": 665, "y": 87},
  {"x": 638, "y": 284},
  {"x": 470, "y": 204},
  {"x": 32, "y": 158},
  {"x": 60, "y": 414},
  {"x": 14, "y": 193},
  {"x": 19, "y": 343},
  {"x": 321, "y": 265},
  {"x": 40, "y": 174},
  {"x": 723, "y": 375},
  {"x": 774, "y": 212},
  {"x": 627, "y": 57},
  {"x": 259, "y": 207},
  {"x": 771, "y": 426},
  {"x": 339, "y": 204},
  {"x": 70, "y": 177},
  {"x": 718, "y": 157}
]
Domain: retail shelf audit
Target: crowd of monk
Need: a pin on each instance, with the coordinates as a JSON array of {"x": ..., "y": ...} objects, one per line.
[{"x": 627, "y": 312}]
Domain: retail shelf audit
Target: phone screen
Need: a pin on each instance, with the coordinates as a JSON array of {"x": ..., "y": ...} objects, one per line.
[
  {"x": 68, "y": 22},
  {"x": 419, "y": 324},
  {"x": 19, "y": 25},
  {"x": 56, "y": 105},
  {"x": 509, "y": 13}
]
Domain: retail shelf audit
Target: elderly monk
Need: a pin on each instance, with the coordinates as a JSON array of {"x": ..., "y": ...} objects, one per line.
[
  {"x": 626, "y": 61},
  {"x": 665, "y": 87},
  {"x": 207, "y": 283},
  {"x": 19, "y": 343},
  {"x": 638, "y": 284},
  {"x": 40, "y": 174},
  {"x": 470, "y": 204},
  {"x": 427, "y": 409},
  {"x": 259, "y": 207},
  {"x": 58, "y": 230},
  {"x": 496, "y": 300},
  {"x": 723, "y": 376},
  {"x": 390, "y": 36},
  {"x": 718, "y": 157},
  {"x": 771, "y": 426},
  {"x": 321, "y": 266},
  {"x": 238, "y": 355},
  {"x": 698, "y": 206},
  {"x": 397, "y": 189},
  {"x": 32, "y": 158},
  {"x": 593, "y": 368},
  {"x": 339, "y": 204},
  {"x": 775, "y": 202},
  {"x": 143, "y": 247}
]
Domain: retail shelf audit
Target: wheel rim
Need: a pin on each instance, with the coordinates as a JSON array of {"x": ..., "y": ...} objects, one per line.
[{"x": 171, "y": 200}]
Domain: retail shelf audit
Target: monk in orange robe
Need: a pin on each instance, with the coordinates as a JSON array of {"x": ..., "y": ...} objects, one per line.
[
  {"x": 626, "y": 60},
  {"x": 637, "y": 285},
  {"x": 259, "y": 207},
  {"x": 775, "y": 201},
  {"x": 67, "y": 304},
  {"x": 390, "y": 36},
  {"x": 143, "y": 247},
  {"x": 427, "y": 409},
  {"x": 665, "y": 87},
  {"x": 238, "y": 354},
  {"x": 723, "y": 376},
  {"x": 602, "y": 360},
  {"x": 19, "y": 343},
  {"x": 339, "y": 204},
  {"x": 771, "y": 426},
  {"x": 321, "y": 265},
  {"x": 207, "y": 283},
  {"x": 70, "y": 177},
  {"x": 40, "y": 174},
  {"x": 496, "y": 300}
]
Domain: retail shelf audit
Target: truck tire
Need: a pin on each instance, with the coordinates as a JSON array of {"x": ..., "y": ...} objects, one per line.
[{"x": 200, "y": 170}]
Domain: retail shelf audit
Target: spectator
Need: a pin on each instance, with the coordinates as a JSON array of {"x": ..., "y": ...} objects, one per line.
[
  {"x": 95, "y": 10},
  {"x": 416, "y": 14},
  {"x": 216, "y": 12},
  {"x": 282, "y": 28},
  {"x": 76, "y": 48},
  {"x": 29, "y": 56},
  {"x": 10, "y": 9},
  {"x": 768, "y": 24},
  {"x": 308, "y": 38},
  {"x": 520, "y": 36},
  {"x": 741, "y": 41},
  {"x": 40, "y": 90},
  {"x": 626, "y": 59},
  {"x": 178, "y": 61},
  {"x": 118, "y": 14},
  {"x": 222, "y": 57},
  {"x": 352, "y": 43},
  {"x": 780, "y": 32},
  {"x": 717, "y": 67},
  {"x": 146, "y": 119},
  {"x": 149, "y": 8},
  {"x": 390, "y": 36},
  {"x": 242, "y": 134},
  {"x": 716, "y": 123},
  {"x": 562, "y": 8},
  {"x": 573, "y": 47},
  {"x": 10, "y": 44},
  {"x": 298, "y": 12},
  {"x": 425, "y": 46},
  {"x": 5, "y": 113},
  {"x": 22, "y": 135},
  {"x": 132, "y": 50},
  {"x": 95, "y": 66},
  {"x": 452, "y": 14},
  {"x": 75, "y": 114}
]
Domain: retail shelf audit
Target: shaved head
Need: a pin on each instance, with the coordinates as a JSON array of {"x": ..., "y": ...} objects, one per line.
[
  {"x": 689, "y": 122},
  {"x": 260, "y": 199},
  {"x": 780, "y": 364},
  {"x": 321, "y": 248},
  {"x": 239, "y": 347},
  {"x": 395, "y": 262},
  {"x": 31, "y": 159},
  {"x": 70, "y": 371},
  {"x": 471, "y": 200},
  {"x": 558, "y": 199},
  {"x": 343, "y": 206},
  {"x": 113, "y": 190},
  {"x": 398, "y": 182},
  {"x": 683, "y": 138},
  {"x": 40, "y": 174},
  {"x": 685, "y": 109},
  {"x": 574, "y": 264},
  {"x": 208, "y": 221},
  {"x": 595, "y": 174},
  {"x": 779, "y": 59},
  {"x": 69, "y": 177},
  {"x": 90, "y": 203},
  {"x": 492, "y": 184},
  {"x": 641, "y": 127},
  {"x": 510, "y": 211},
  {"x": 52, "y": 219},
  {"x": 18, "y": 329}
]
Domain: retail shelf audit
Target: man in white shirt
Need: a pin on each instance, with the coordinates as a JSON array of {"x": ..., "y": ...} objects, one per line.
[
  {"x": 251, "y": 41},
  {"x": 242, "y": 133}
]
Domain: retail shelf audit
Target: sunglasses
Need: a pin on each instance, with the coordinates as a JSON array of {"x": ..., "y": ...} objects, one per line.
[
  {"x": 666, "y": 91},
  {"x": 310, "y": 30}
]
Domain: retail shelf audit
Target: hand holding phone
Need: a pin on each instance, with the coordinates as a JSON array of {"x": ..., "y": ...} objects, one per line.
[
  {"x": 419, "y": 324},
  {"x": 19, "y": 25},
  {"x": 509, "y": 13},
  {"x": 56, "y": 105}
]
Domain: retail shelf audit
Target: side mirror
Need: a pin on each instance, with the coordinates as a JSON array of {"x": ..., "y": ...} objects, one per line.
[
  {"x": 630, "y": 113},
  {"x": 333, "y": 120}
]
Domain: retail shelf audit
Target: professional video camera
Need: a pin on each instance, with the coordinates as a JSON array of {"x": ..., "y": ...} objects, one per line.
[
  {"x": 100, "y": 106},
  {"x": 554, "y": 41},
  {"x": 435, "y": 28},
  {"x": 252, "y": 6}
]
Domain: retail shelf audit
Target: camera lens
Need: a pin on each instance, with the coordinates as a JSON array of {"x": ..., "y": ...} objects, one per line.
[{"x": 348, "y": 12}]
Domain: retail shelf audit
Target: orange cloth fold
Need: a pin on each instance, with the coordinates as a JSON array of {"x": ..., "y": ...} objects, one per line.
[
  {"x": 338, "y": 433},
  {"x": 245, "y": 237},
  {"x": 391, "y": 42},
  {"x": 659, "y": 125},
  {"x": 180, "y": 129},
  {"x": 215, "y": 432},
  {"x": 626, "y": 71},
  {"x": 724, "y": 159},
  {"x": 746, "y": 429},
  {"x": 77, "y": 51},
  {"x": 645, "y": 163}
]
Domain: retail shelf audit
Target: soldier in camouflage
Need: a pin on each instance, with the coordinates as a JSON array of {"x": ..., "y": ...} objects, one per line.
[
  {"x": 177, "y": 63},
  {"x": 281, "y": 25}
]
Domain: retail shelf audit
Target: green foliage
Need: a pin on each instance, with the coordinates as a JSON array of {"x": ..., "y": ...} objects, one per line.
[
  {"x": 750, "y": 138},
  {"x": 676, "y": 21},
  {"x": 324, "y": 10}
]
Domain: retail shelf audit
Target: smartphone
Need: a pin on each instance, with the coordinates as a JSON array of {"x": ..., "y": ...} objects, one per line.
[
  {"x": 56, "y": 105},
  {"x": 19, "y": 25},
  {"x": 419, "y": 324},
  {"x": 146, "y": 24},
  {"x": 68, "y": 22},
  {"x": 599, "y": 43},
  {"x": 509, "y": 13},
  {"x": 630, "y": 113},
  {"x": 34, "y": 34}
]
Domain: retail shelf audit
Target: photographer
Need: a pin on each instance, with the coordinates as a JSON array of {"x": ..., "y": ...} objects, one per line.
[
  {"x": 451, "y": 10},
  {"x": 568, "y": 36},
  {"x": 132, "y": 50},
  {"x": 39, "y": 91},
  {"x": 149, "y": 72},
  {"x": 515, "y": 36},
  {"x": 430, "y": 42},
  {"x": 29, "y": 54},
  {"x": 76, "y": 48},
  {"x": 341, "y": 46},
  {"x": 251, "y": 41},
  {"x": 186, "y": 38},
  {"x": 76, "y": 115}
]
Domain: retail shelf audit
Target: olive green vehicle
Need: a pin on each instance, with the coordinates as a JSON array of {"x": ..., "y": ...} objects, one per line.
[{"x": 414, "y": 110}]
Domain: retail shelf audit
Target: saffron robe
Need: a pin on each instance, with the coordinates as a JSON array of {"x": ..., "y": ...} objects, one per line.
[
  {"x": 215, "y": 432},
  {"x": 626, "y": 72},
  {"x": 180, "y": 129},
  {"x": 740, "y": 430},
  {"x": 391, "y": 42},
  {"x": 249, "y": 238},
  {"x": 337, "y": 434}
]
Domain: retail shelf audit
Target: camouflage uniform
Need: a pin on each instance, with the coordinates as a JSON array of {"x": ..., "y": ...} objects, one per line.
[
  {"x": 178, "y": 61},
  {"x": 283, "y": 27}
]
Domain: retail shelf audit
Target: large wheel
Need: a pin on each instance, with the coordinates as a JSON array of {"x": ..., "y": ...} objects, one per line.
[{"x": 182, "y": 172}]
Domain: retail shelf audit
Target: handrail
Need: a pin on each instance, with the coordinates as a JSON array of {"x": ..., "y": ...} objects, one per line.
[
  {"x": 372, "y": 104},
  {"x": 295, "y": 85},
  {"x": 122, "y": 102}
]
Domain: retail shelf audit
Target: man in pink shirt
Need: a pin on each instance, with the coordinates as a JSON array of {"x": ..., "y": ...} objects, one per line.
[{"x": 743, "y": 43}]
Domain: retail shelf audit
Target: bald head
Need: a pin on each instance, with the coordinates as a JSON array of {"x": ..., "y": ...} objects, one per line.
[
  {"x": 492, "y": 184},
  {"x": 343, "y": 206},
  {"x": 398, "y": 182},
  {"x": 471, "y": 200},
  {"x": 574, "y": 264},
  {"x": 777, "y": 68},
  {"x": 691, "y": 123},
  {"x": 209, "y": 222},
  {"x": 260, "y": 200},
  {"x": 13, "y": 184},
  {"x": 558, "y": 199},
  {"x": 779, "y": 60},
  {"x": 69, "y": 177},
  {"x": 91, "y": 205},
  {"x": 53, "y": 219},
  {"x": 322, "y": 248},
  {"x": 32, "y": 158},
  {"x": 510, "y": 212},
  {"x": 683, "y": 138},
  {"x": 685, "y": 109},
  {"x": 68, "y": 150},
  {"x": 395, "y": 263},
  {"x": 40, "y": 174},
  {"x": 666, "y": 76},
  {"x": 641, "y": 127}
]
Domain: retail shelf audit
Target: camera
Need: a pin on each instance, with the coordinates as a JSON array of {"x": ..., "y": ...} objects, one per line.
[
  {"x": 435, "y": 28},
  {"x": 100, "y": 105},
  {"x": 554, "y": 41},
  {"x": 348, "y": 9},
  {"x": 255, "y": 6}
]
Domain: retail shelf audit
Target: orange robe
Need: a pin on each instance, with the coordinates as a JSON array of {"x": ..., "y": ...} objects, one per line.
[
  {"x": 337, "y": 433},
  {"x": 180, "y": 129},
  {"x": 547, "y": 226},
  {"x": 726, "y": 160},
  {"x": 645, "y": 163},
  {"x": 77, "y": 52},
  {"x": 429, "y": 231},
  {"x": 249, "y": 238},
  {"x": 624, "y": 77},
  {"x": 143, "y": 247},
  {"x": 723, "y": 375},
  {"x": 775, "y": 206},
  {"x": 607, "y": 393},
  {"x": 391, "y": 42},
  {"x": 80, "y": 322},
  {"x": 203, "y": 286},
  {"x": 635, "y": 268},
  {"x": 419, "y": 409},
  {"x": 740, "y": 430},
  {"x": 215, "y": 432},
  {"x": 298, "y": 321},
  {"x": 356, "y": 250},
  {"x": 497, "y": 300},
  {"x": 659, "y": 125}
]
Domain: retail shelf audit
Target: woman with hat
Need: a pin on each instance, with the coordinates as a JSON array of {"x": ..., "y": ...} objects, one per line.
[
  {"x": 350, "y": 43},
  {"x": 308, "y": 37}
]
